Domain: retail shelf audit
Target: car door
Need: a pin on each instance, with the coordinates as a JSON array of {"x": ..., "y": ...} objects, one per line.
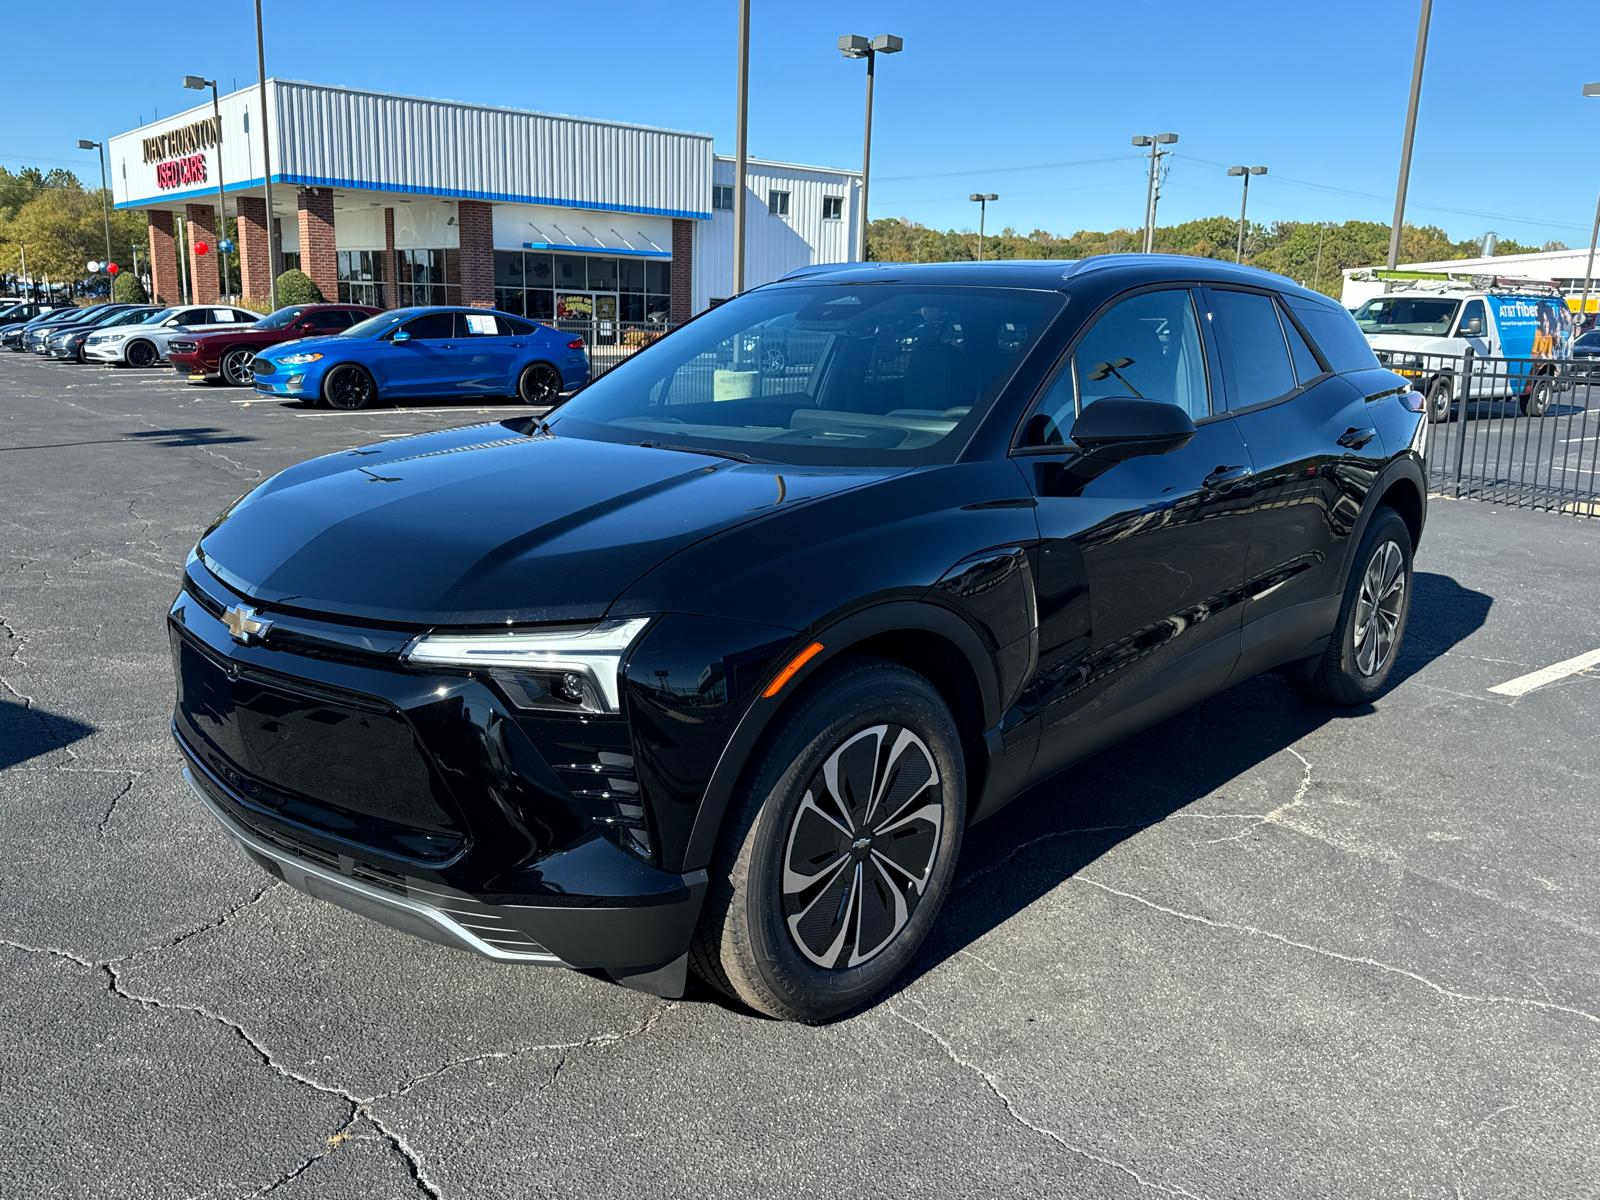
[
  {"x": 1316, "y": 454},
  {"x": 483, "y": 349},
  {"x": 1140, "y": 567},
  {"x": 421, "y": 363}
]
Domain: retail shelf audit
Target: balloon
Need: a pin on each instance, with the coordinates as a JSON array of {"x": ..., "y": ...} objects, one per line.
[
  {"x": 92, "y": 265},
  {"x": 225, "y": 245},
  {"x": 202, "y": 249},
  {"x": 112, "y": 268}
]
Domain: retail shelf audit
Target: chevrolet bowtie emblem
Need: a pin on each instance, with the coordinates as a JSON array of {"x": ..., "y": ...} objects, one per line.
[{"x": 245, "y": 625}]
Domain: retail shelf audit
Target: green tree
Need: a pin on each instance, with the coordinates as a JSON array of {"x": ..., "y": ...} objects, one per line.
[
  {"x": 296, "y": 287},
  {"x": 129, "y": 289},
  {"x": 63, "y": 227}
]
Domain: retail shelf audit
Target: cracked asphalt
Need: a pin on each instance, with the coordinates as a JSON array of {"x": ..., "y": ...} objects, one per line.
[{"x": 1264, "y": 949}]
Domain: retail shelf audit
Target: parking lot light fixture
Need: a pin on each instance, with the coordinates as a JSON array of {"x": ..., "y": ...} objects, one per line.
[
  {"x": 1590, "y": 89},
  {"x": 853, "y": 45},
  {"x": 105, "y": 196},
  {"x": 1153, "y": 196},
  {"x": 1322, "y": 229},
  {"x": 1246, "y": 172},
  {"x": 198, "y": 84},
  {"x": 982, "y": 200}
]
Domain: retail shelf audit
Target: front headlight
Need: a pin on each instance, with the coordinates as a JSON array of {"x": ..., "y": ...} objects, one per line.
[
  {"x": 295, "y": 360},
  {"x": 563, "y": 670}
]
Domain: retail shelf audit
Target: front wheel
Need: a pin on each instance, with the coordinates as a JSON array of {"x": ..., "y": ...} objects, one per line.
[
  {"x": 840, "y": 848},
  {"x": 1361, "y": 654},
  {"x": 236, "y": 367},
  {"x": 349, "y": 387},
  {"x": 540, "y": 386},
  {"x": 1540, "y": 393},
  {"x": 1440, "y": 395},
  {"x": 140, "y": 354}
]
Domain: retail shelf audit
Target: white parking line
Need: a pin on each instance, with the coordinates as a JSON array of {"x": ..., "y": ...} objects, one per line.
[{"x": 1523, "y": 684}]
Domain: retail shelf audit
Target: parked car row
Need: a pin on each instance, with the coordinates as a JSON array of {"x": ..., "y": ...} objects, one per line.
[{"x": 341, "y": 355}]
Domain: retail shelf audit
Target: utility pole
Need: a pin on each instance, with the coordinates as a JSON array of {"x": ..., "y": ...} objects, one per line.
[
  {"x": 266, "y": 162},
  {"x": 982, "y": 199},
  {"x": 1321, "y": 229},
  {"x": 741, "y": 145},
  {"x": 1590, "y": 90},
  {"x": 1153, "y": 195},
  {"x": 1411, "y": 130}
]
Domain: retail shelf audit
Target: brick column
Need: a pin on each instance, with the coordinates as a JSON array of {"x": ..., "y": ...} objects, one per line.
[
  {"x": 165, "y": 283},
  {"x": 319, "y": 256},
  {"x": 391, "y": 264},
  {"x": 205, "y": 277},
  {"x": 255, "y": 248},
  {"x": 475, "y": 218},
  {"x": 682, "y": 269}
]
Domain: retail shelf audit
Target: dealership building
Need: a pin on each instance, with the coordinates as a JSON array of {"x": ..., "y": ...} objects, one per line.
[{"x": 393, "y": 201}]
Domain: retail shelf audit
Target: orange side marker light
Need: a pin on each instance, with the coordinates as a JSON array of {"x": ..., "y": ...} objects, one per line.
[{"x": 795, "y": 663}]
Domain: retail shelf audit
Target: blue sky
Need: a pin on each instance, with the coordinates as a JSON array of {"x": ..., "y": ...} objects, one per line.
[{"x": 1034, "y": 101}]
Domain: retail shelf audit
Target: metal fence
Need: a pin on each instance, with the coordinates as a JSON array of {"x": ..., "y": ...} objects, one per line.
[
  {"x": 1518, "y": 432},
  {"x": 611, "y": 343}
]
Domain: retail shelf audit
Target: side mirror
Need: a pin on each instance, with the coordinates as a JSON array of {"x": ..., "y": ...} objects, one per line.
[
  {"x": 1473, "y": 327},
  {"x": 401, "y": 336},
  {"x": 1114, "y": 430}
]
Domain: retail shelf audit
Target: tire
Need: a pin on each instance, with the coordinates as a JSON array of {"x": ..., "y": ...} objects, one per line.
[
  {"x": 140, "y": 354},
  {"x": 235, "y": 367},
  {"x": 1541, "y": 391},
  {"x": 1361, "y": 654},
  {"x": 766, "y": 936},
  {"x": 349, "y": 387},
  {"x": 539, "y": 386},
  {"x": 1440, "y": 394}
]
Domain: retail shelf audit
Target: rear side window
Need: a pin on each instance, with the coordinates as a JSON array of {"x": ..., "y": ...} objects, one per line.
[
  {"x": 433, "y": 326},
  {"x": 1306, "y": 365},
  {"x": 477, "y": 325},
  {"x": 1336, "y": 334},
  {"x": 1255, "y": 357}
]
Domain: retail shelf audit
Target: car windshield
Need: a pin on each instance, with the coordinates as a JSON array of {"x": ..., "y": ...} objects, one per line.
[
  {"x": 109, "y": 317},
  {"x": 160, "y": 315},
  {"x": 1407, "y": 314},
  {"x": 279, "y": 319},
  {"x": 1589, "y": 340},
  {"x": 856, "y": 374},
  {"x": 373, "y": 326}
]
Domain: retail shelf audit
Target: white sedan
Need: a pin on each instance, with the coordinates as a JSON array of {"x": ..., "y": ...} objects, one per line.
[{"x": 145, "y": 344}]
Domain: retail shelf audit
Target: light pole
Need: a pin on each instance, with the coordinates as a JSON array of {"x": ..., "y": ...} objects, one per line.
[
  {"x": 1321, "y": 230},
  {"x": 1246, "y": 172},
  {"x": 982, "y": 199},
  {"x": 1153, "y": 196},
  {"x": 1590, "y": 89},
  {"x": 197, "y": 84},
  {"x": 1411, "y": 129},
  {"x": 105, "y": 196},
  {"x": 741, "y": 143},
  {"x": 853, "y": 45},
  {"x": 266, "y": 162}
]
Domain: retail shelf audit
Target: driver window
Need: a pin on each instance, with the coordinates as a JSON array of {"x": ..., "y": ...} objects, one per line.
[{"x": 1473, "y": 309}]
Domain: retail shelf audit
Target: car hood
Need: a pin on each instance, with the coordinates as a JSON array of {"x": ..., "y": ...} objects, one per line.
[
  {"x": 1423, "y": 343},
  {"x": 322, "y": 339},
  {"x": 484, "y": 525}
]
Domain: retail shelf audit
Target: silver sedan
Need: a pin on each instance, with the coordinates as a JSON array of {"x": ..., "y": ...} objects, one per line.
[{"x": 145, "y": 344}]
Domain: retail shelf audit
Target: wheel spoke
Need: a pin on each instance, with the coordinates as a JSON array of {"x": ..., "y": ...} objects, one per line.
[
  {"x": 826, "y": 921},
  {"x": 881, "y": 911}
]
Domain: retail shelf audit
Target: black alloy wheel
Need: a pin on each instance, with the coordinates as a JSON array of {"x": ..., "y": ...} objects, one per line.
[
  {"x": 1440, "y": 394},
  {"x": 1361, "y": 654},
  {"x": 539, "y": 386},
  {"x": 349, "y": 387},
  {"x": 140, "y": 353},
  {"x": 840, "y": 849},
  {"x": 236, "y": 370},
  {"x": 1541, "y": 391}
]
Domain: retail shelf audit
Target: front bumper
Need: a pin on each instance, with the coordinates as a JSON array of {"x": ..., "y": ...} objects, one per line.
[
  {"x": 62, "y": 352},
  {"x": 291, "y": 381},
  {"x": 110, "y": 353}
]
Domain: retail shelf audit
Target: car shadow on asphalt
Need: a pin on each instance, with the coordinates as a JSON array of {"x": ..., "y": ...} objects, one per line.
[
  {"x": 27, "y": 731},
  {"x": 205, "y": 435}
]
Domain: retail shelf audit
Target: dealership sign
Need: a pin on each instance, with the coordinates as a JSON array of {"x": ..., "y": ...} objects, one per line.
[
  {"x": 185, "y": 141},
  {"x": 181, "y": 171}
]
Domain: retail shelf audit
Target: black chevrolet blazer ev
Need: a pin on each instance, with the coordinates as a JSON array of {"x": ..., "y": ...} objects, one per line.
[{"x": 712, "y": 667}]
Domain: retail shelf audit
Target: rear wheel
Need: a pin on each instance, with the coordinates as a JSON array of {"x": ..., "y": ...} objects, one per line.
[
  {"x": 540, "y": 386},
  {"x": 140, "y": 354},
  {"x": 349, "y": 386},
  {"x": 839, "y": 849},
  {"x": 236, "y": 367},
  {"x": 1440, "y": 394},
  {"x": 1361, "y": 654},
  {"x": 1539, "y": 395}
]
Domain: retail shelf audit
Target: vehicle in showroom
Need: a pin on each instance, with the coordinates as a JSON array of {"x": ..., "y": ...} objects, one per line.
[
  {"x": 712, "y": 667},
  {"x": 145, "y": 345},
  {"x": 12, "y": 336},
  {"x": 68, "y": 343},
  {"x": 446, "y": 352},
  {"x": 227, "y": 354},
  {"x": 34, "y": 333}
]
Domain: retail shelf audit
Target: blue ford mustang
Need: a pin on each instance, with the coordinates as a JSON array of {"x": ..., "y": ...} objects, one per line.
[{"x": 427, "y": 352}]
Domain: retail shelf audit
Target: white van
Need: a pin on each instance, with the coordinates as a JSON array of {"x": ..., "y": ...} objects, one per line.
[{"x": 1423, "y": 329}]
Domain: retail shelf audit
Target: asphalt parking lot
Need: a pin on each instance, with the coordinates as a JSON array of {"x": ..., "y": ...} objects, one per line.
[{"x": 1264, "y": 949}]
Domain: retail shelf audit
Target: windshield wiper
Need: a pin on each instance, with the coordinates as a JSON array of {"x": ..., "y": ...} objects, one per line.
[{"x": 733, "y": 454}]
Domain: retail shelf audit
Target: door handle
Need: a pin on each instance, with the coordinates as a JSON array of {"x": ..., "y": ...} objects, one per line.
[
  {"x": 1354, "y": 439},
  {"x": 447, "y": 345},
  {"x": 518, "y": 345},
  {"x": 1224, "y": 477}
]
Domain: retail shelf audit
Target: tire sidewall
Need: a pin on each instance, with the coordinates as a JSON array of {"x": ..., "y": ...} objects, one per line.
[
  {"x": 142, "y": 348},
  {"x": 1440, "y": 396},
  {"x": 327, "y": 387},
  {"x": 227, "y": 377},
  {"x": 826, "y": 720},
  {"x": 529, "y": 373},
  {"x": 1386, "y": 525}
]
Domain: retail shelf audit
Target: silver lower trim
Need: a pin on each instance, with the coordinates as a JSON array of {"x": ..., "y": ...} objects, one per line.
[{"x": 404, "y": 913}]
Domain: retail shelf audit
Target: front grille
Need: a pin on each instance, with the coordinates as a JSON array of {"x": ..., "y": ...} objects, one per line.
[{"x": 262, "y": 366}]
